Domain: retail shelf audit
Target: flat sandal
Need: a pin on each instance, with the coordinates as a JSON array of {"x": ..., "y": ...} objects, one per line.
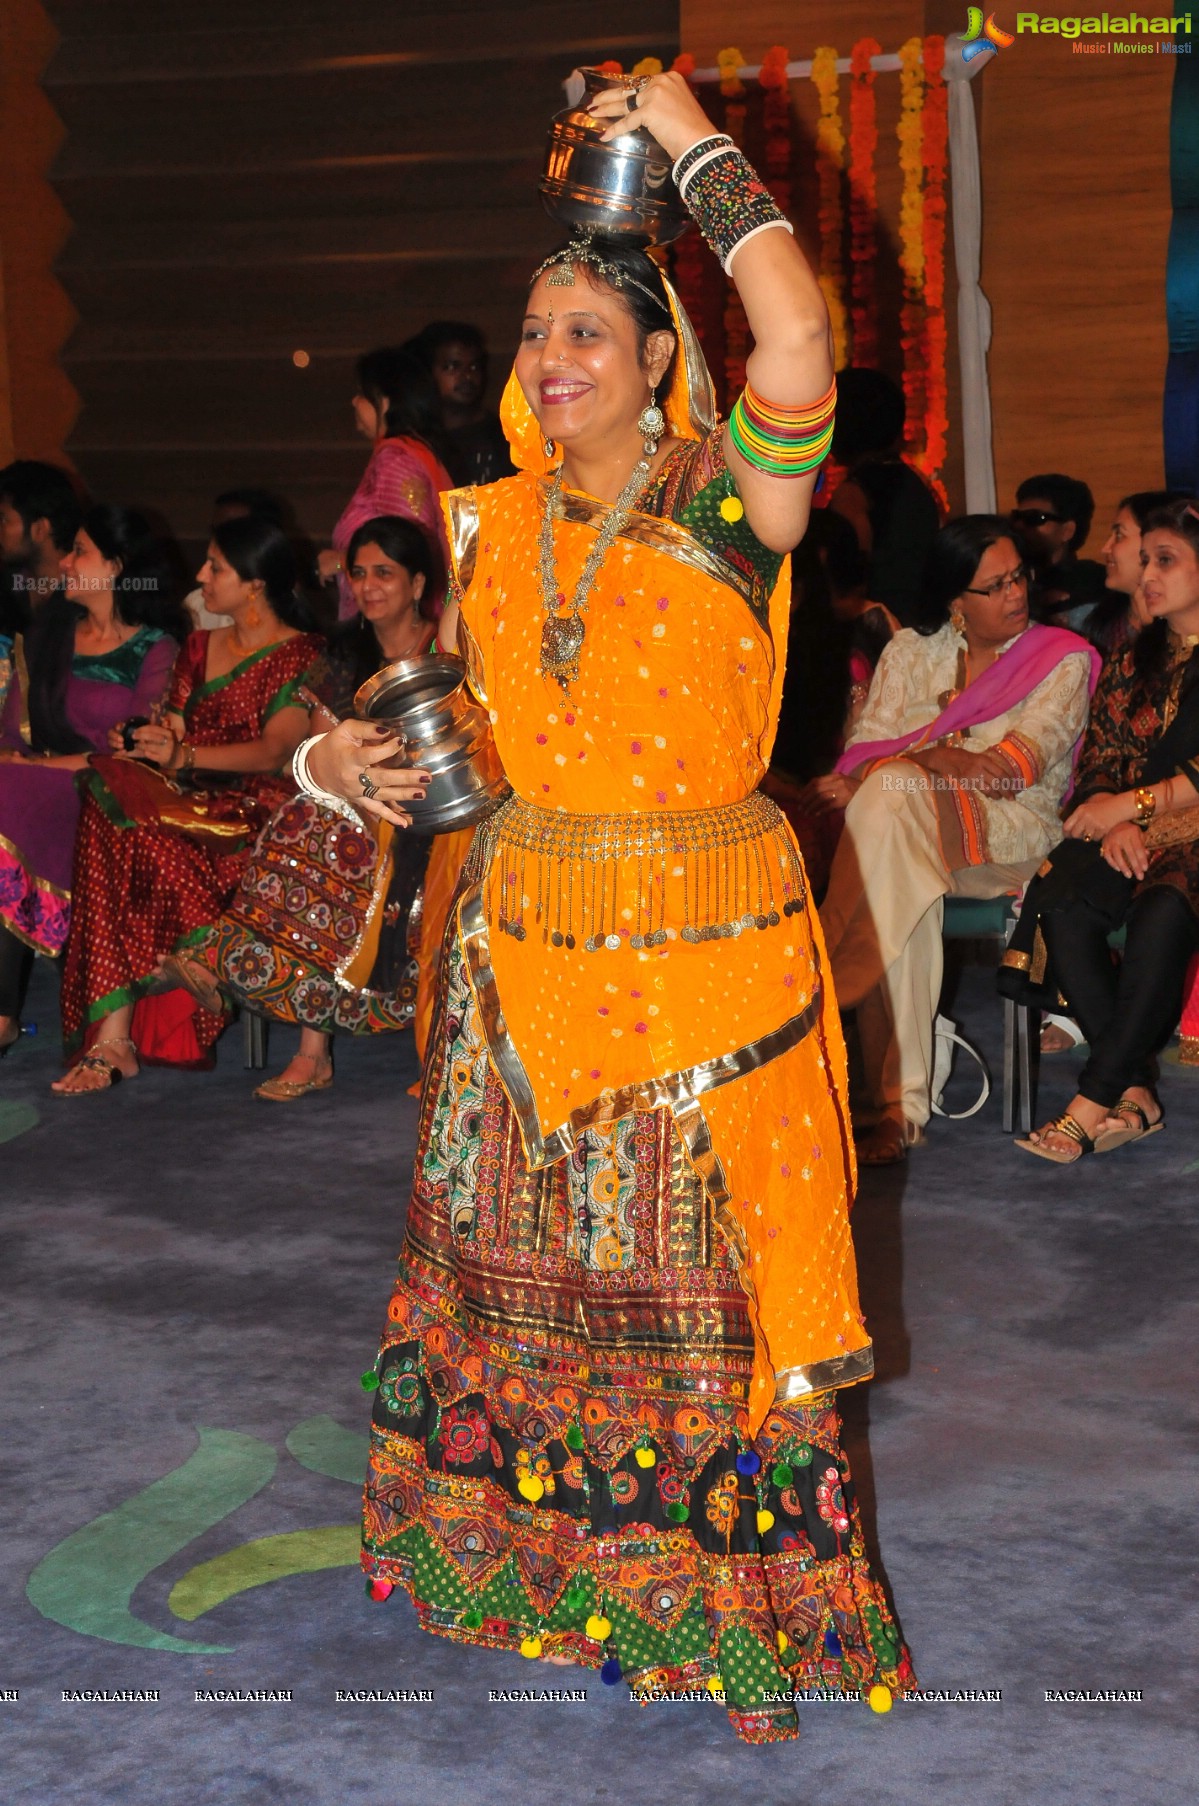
[
  {"x": 1119, "y": 1138},
  {"x": 1065, "y": 1124}
]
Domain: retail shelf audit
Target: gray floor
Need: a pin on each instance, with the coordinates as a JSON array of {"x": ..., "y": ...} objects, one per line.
[{"x": 178, "y": 1256}]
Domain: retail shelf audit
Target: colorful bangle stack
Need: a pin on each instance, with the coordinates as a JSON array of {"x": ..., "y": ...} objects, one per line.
[
  {"x": 726, "y": 197},
  {"x": 783, "y": 442}
]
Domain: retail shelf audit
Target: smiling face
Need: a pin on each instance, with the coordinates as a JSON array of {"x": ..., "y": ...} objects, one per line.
[
  {"x": 1002, "y": 612},
  {"x": 387, "y": 594},
  {"x": 1122, "y": 553},
  {"x": 579, "y": 364},
  {"x": 1170, "y": 579}
]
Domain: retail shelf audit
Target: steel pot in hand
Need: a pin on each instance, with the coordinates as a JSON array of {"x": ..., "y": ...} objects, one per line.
[
  {"x": 447, "y": 734},
  {"x": 623, "y": 187}
]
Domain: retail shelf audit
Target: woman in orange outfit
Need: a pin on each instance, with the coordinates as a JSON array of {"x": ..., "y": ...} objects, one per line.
[{"x": 605, "y": 1428}]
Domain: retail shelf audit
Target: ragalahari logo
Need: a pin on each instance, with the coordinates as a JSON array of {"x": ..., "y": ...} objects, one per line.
[{"x": 981, "y": 36}]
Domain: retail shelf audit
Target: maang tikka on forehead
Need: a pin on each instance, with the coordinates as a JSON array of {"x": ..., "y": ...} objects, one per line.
[{"x": 581, "y": 250}]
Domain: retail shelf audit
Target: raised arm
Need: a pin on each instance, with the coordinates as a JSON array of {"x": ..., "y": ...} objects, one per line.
[{"x": 778, "y": 433}]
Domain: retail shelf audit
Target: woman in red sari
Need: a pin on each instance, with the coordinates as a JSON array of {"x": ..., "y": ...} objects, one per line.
[{"x": 157, "y": 860}]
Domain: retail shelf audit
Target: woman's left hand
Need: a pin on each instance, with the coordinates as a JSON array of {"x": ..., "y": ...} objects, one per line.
[
  {"x": 156, "y": 743},
  {"x": 1125, "y": 850},
  {"x": 666, "y": 107},
  {"x": 1096, "y": 817},
  {"x": 823, "y": 795}
]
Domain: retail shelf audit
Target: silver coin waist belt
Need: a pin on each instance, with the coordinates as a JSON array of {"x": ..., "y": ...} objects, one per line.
[{"x": 608, "y": 882}]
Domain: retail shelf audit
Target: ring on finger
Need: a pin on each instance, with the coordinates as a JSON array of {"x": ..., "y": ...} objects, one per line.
[{"x": 369, "y": 787}]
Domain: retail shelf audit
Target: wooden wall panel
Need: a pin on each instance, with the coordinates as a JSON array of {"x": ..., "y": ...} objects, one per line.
[
  {"x": 247, "y": 181},
  {"x": 1076, "y": 216}
]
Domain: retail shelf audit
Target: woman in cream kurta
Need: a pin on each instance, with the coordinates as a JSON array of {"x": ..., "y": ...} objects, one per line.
[{"x": 971, "y": 813}]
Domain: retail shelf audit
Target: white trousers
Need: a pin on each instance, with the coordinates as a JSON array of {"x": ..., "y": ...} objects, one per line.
[{"x": 882, "y": 921}]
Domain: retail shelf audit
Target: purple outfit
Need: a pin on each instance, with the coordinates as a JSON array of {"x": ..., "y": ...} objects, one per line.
[{"x": 39, "y": 806}]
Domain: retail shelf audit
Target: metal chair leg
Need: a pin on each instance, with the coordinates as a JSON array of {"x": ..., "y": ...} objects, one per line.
[
  {"x": 1009, "y": 1064},
  {"x": 1027, "y": 1024},
  {"x": 254, "y": 1031}
]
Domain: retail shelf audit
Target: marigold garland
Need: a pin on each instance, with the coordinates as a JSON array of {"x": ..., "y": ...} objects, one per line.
[
  {"x": 863, "y": 201},
  {"x": 830, "y": 159},
  {"x": 910, "y": 134},
  {"x": 934, "y": 152},
  {"x": 776, "y": 120}
]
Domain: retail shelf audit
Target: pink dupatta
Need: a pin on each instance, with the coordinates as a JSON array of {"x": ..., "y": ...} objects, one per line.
[{"x": 1009, "y": 681}]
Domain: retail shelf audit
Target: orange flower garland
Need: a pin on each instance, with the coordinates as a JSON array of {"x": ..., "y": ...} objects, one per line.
[
  {"x": 934, "y": 154},
  {"x": 830, "y": 155},
  {"x": 863, "y": 201},
  {"x": 776, "y": 118}
]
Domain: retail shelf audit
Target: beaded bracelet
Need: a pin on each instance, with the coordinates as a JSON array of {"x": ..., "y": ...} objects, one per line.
[
  {"x": 729, "y": 201},
  {"x": 309, "y": 787},
  {"x": 782, "y": 441},
  {"x": 702, "y": 148}
]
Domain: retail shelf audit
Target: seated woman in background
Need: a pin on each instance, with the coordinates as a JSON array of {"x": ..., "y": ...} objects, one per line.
[
  {"x": 834, "y": 641},
  {"x": 396, "y": 408},
  {"x": 951, "y": 782},
  {"x": 350, "y": 887},
  {"x": 159, "y": 856},
  {"x": 1130, "y": 859},
  {"x": 1115, "y": 621},
  {"x": 97, "y": 651},
  {"x": 1120, "y": 614}
]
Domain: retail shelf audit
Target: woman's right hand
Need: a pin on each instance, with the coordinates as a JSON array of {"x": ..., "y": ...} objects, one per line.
[
  {"x": 339, "y": 759},
  {"x": 985, "y": 771}
]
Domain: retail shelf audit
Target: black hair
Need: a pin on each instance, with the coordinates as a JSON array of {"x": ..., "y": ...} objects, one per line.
[
  {"x": 355, "y": 641},
  {"x": 439, "y": 333},
  {"x": 146, "y": 593},
  {"x": 261, "y": 552},
  {"x": 953, "y": 559},
  {"x": 262, "y": 502},
  {"x": 402, "y": 389},
  {"x": 1144, "y": 502},
  {"x": 871, "y": 412},
  {"x": 1151, "y": 649},
  {"x": 1068, "y": 496},
  {"x": 43, "y": 492},
  {"x": 650, "y": 311}
]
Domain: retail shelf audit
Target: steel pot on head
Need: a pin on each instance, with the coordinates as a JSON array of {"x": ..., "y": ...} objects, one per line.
[
  {"x": 447, "y": 734},
  {"x": 624, "y": 187}
]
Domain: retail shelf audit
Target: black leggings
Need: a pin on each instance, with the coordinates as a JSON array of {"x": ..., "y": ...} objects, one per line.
[
  {"x": 16, "y": 961},
  {"x": 1127, "y": 1012}
]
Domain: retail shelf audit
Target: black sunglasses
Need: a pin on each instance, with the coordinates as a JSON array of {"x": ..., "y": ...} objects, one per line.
[{"x": 1034, "y": 517}]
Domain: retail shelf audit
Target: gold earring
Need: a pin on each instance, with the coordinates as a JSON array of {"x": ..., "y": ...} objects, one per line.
[{"x": 548, "y": 447}]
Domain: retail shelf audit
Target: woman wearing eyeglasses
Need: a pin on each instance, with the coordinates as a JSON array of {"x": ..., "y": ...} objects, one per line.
[{"x": 951, "y": 783}]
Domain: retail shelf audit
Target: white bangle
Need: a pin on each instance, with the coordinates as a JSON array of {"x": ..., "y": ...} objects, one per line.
[
  {"x": 766, "y": 226},
  {"x": 309, "y": 787}
]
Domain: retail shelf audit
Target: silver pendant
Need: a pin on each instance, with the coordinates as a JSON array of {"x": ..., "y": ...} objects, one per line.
[{"x": 561, "y": 642}]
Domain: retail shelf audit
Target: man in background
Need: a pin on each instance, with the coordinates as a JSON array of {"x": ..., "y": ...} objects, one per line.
[
  {"x": 1054, "y": 514},
  {"x": 455, "y": 354}
]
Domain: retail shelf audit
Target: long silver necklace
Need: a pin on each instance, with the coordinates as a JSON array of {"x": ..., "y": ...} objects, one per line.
[{"x": 562, "y": 635}]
